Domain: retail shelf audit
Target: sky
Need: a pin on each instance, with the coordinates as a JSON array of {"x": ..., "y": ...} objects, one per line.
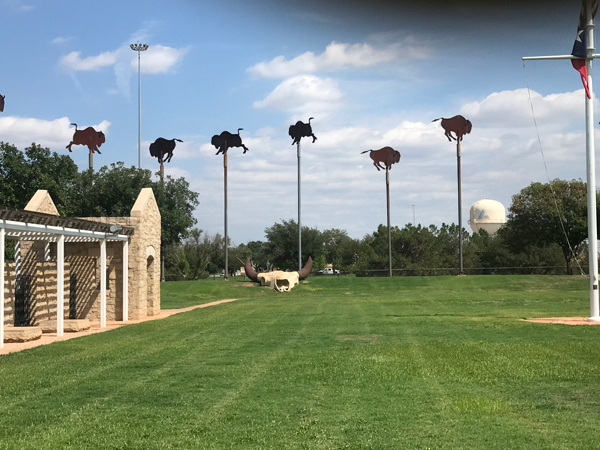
[{"x": 371, "y": 73}]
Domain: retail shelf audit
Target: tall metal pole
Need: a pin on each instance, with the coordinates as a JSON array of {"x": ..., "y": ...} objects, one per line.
[
  {"x": 139, "y": 114},
  {"x": 226, "y": 253},
  {"x": 591, "y": 174},
  {"x": 414, "y": 220},
  {"x": 299, "y": 213},
  {"x": 460, "y": 239},
  {"x": 387, "y": 191},
  {"x": 139, "y": 48}
]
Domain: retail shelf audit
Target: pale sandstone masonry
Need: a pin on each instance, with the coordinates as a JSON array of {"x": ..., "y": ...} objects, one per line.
[{"x": 83, "y": 260}]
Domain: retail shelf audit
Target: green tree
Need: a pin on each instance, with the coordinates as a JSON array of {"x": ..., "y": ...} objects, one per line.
[
  {"x": 496, "y": 257},
  {"x": 195, "y": 257},
  {"x": 176, "y": 203},
  {"x": 23, "y": 173},
  {"x": 534, "y": 218},
  {"x": 259, "y": 255},
  {"x": 282, "y": 245},
  {"x": 333, "y": 241}
]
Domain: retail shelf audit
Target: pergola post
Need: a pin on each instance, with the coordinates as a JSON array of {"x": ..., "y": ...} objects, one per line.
[
  {"x": 125, "y": 281},
  {"x": 102, "y": 283},
  {"x": 17, "y": 257},
  {"x": 60, "y": 285},
  {"x": 2, "y": 236}
]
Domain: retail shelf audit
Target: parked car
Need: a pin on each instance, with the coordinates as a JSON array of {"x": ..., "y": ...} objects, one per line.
[{"x": 328, "y": 271}]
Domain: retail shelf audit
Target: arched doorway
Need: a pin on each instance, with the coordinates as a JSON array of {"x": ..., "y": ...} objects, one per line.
[{"x": 150, "y": 268}]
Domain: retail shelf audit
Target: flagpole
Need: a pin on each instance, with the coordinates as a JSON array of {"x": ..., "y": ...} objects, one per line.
[
  {"x": 590, "y": 157},
  {"x": 591, "y": 173}
]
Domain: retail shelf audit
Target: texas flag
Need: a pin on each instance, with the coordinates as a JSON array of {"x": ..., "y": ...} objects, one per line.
[{"x": 580, "y": 45}]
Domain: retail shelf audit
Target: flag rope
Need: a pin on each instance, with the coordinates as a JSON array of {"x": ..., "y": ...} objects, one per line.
[{"x": 560, "y": 217}]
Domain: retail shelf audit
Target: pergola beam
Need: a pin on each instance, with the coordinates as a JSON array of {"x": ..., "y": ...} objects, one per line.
[{"x": 48, "y": 230}]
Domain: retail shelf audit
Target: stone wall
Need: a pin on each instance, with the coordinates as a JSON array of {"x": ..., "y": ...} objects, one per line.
[{"x": 42, "y": 291}]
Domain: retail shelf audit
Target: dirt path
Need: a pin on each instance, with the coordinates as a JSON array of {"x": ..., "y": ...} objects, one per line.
[
  {"x": 48, "y": 338},
  {"x": 564, "y": 320}
]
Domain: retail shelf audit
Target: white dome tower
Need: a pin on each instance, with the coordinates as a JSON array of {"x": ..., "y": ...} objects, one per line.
[{"x": 487, "y": 214}]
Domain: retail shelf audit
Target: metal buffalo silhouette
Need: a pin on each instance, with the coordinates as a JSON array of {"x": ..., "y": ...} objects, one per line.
[
  {"x": 163, "y": 147},
  {"x": 88, "y": 137},
  {"x": 457, "y": 125},
  {"x": 226, "y": 140},
  {"x": 386, "y": 156},
  {"x": 2, "y": 97},
  {"x": 301, "y": 130}
]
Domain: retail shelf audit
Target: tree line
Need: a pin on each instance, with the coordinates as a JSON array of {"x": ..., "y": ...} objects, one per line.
[{"x": 545, "y": 233}]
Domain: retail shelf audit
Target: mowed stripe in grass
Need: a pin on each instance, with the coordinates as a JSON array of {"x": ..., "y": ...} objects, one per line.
[{"x": 343, "y": 362}]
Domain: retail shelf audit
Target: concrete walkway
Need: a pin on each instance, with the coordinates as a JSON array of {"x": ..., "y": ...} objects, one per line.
[{"x": 49, "y": 338}]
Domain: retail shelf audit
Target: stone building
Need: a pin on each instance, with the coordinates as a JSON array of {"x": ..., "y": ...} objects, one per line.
[{"x": 109, "y": 266}]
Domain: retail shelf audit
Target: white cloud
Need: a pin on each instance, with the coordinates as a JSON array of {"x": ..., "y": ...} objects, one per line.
[
  {"x": 338, "y": 56},
  {"x": 54, "y": 134},
  {"x": 19, "y": 5},
  {"x": 512, "y": 109},
  {"x": 159, "y": 59},
  {"x": 60, "y": 40},
  {"x": 303, "y": 94},
  {"x": 74, "y": 63}
]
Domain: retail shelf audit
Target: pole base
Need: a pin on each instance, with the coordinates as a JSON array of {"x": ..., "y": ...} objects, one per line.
[{"x": 594, "y": 319}]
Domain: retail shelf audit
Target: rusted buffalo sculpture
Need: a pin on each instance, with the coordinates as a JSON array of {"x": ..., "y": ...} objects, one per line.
[
  {"x": 88, "y": 137},
  {"x": 2, "y": 97},
  {"x": 278, "y": 280},
  {"x": 301, "y": 130},
  {"x": 385, "y": 155},
  {"x": 226, "y": 138},
  {"x": 457, "y": 125},
  {"x": 163, "y": 147}
]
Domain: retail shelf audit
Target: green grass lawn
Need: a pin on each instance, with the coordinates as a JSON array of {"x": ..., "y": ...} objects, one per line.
[{"x": 337, "y": 363}]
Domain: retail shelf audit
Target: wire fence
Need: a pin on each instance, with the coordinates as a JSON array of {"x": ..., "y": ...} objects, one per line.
[{"x": 440, "y": 271}]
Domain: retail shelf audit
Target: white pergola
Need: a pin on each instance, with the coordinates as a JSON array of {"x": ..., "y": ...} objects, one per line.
[{"x": 33, "y": 226}]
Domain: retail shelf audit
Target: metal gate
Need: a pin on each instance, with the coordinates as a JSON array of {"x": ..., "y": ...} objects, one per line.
[
  {"x": 23, "y": 301},
  {"x": 73, "y": 297}
]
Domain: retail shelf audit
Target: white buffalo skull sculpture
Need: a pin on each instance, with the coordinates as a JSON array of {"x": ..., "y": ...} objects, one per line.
[{"x": 277, "y": 279}]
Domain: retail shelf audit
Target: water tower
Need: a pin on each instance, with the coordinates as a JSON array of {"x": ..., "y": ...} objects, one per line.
[{"x": 487, "y": 214}]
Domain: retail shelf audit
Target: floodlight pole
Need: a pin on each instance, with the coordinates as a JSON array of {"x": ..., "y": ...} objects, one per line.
[
  {"x": 590, "y": 164},
  {"x": 225, "y": 186},
  {"x": 299, "y": 213},
  {"x": 139, "y": 48},
  {"x": 387, "y": 191},
  {"x": 460, "y": 238}
]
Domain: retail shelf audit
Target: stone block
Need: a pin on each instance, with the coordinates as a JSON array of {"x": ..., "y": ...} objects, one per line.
[
  {"x": 22, "y": 334},
  {"x": 69, "y": 325}
]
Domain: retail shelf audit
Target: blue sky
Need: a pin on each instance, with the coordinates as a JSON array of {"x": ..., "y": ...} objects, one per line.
[{"x": 370, "y": 73}]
